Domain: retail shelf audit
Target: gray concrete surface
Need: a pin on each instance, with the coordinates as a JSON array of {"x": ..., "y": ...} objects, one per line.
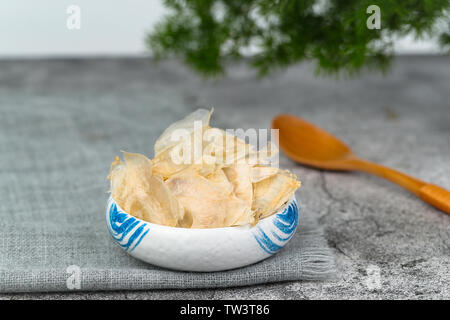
[{"x": 401, "y": 120}]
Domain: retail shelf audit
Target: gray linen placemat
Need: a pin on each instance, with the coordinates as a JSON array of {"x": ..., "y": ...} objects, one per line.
[{"x": 55, "y": 154}]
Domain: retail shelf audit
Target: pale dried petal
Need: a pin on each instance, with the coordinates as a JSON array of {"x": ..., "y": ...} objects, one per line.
[
  {"x": 239, "y": 213},
  {"x": 259, "y": 173},
  {"x": 209, "y": 205},
  {"x": 141, "y": 194},
  {"x": 239, "y": 176},
  {"x": 272, "y": 193},
  {"x": 219, "y": 178},
  {"x": 165, "y": 140}
]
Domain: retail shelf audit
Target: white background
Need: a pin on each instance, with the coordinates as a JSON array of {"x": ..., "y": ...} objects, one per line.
[{"x": 33, "y": 28}]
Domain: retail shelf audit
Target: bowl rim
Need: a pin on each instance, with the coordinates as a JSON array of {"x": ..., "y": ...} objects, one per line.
[{"x": 246, "y": 226}]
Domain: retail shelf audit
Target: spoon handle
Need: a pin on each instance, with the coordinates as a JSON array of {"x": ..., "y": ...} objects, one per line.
[
  {"x": 430, "y": 193},
  {"x": 436, "y": 196}
]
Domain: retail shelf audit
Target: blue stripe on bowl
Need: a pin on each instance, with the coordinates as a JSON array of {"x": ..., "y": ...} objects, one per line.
[
  {"x": 285, "y": 223},
  {"x": 125, "y": 229}
]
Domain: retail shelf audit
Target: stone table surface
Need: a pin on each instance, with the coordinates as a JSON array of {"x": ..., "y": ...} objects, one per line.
[{"x": 401, "y": 120}]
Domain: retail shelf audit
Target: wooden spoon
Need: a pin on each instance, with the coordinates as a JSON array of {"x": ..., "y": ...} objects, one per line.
[{"x": 307, "y": 144}]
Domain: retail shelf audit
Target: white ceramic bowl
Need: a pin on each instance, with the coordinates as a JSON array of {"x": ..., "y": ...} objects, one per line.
[{"x": 212, "y": 249}]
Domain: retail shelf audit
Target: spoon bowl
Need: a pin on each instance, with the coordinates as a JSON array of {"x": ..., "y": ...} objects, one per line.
[{"x": 310, "y": 145}]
